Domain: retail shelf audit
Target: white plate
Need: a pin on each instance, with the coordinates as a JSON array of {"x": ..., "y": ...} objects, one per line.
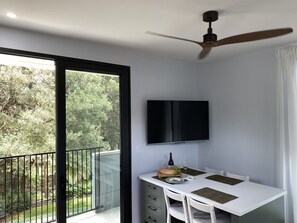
[{"x": 175, "y": 180}]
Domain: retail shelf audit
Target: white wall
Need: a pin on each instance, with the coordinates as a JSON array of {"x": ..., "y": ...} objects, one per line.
[
  {"x": 242, "y": 95},
  {"x": 152, "y": 77}
]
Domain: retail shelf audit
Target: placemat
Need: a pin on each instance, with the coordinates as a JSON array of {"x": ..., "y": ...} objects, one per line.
[
  {"x": 214, "y": 195},
  {"x": 223, "y": 179},
  {"x": 192, "y": 172}
]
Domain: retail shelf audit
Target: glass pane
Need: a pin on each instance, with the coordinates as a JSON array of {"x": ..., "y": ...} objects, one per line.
[
  {"x": 92, "y": 147},
  {"x": 27, "y": 139}
]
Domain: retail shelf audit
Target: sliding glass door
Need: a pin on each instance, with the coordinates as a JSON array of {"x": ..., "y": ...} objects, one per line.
[
  {"x": 65, "y": 140},
  {"x": 27, "y": 139},
  {"x": 91, "y": 119},
  {"x": 92, "y": 146}
]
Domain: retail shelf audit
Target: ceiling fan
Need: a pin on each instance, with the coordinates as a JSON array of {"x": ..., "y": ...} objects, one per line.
[{"x": 210, "y": 39}]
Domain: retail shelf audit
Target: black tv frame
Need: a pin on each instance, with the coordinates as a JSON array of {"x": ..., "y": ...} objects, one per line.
[{"x": 176, "y": 121}]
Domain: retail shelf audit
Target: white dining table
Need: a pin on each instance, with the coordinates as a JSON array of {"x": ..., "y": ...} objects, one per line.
[{"x": 254, "y": 203}]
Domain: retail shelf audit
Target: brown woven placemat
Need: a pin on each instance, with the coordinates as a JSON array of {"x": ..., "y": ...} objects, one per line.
[
  {"x": 192, "y": 172},
  {"x": 214, "y": 195},
  {"x": 223, "y": 179}
]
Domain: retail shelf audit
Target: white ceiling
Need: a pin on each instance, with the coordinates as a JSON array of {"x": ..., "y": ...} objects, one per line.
[{"x": 125, "y": 22}]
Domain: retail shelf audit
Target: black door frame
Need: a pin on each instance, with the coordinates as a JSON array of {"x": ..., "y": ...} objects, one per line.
[{"x": 63, "y": 63}]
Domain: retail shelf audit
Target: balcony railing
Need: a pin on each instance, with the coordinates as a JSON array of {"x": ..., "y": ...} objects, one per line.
[{"x": 28, "y": 185}]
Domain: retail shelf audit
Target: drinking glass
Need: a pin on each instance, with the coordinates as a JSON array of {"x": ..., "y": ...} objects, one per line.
[{"x": 185, "y": 166}]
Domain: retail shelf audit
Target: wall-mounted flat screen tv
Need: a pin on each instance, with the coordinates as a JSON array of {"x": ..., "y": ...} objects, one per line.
[{"x": 177, "y": 121}]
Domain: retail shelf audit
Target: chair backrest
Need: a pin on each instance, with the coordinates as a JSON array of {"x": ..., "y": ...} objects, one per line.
[
  {"x": 178, "y": 211},
  {"x": 210, "y": 170},
  {"x": 205, "y": 208},
  {"x": 236, "y": 176}
]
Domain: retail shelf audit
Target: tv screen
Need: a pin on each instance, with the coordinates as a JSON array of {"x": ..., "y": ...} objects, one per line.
[{"x": 177, "y": 121}]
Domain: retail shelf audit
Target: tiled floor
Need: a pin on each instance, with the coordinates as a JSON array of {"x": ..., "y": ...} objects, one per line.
[{"x": 109, "y": 216}]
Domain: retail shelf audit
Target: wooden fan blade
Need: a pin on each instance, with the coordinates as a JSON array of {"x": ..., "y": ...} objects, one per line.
[
  {"x": 174, "y": 37},
  {"x": 254, "y": 36},
  {"x": 204, "y": 53}
]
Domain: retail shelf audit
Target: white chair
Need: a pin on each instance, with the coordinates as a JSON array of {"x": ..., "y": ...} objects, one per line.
[
  {"x": 221, "y": 172},
  {"x": 205, "y": 213},
  {"x": 239, "y": 177},
  {"x": 176, "y": 209}
]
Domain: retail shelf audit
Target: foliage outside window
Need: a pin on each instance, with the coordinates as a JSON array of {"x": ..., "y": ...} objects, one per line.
[{"x": 27, "y": 110}]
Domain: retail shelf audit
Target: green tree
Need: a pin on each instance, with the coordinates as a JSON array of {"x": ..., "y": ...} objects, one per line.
[
  {"x": 27, "y": 110},
  {"x": 111, "y": 127},
  {"x": 87, "y": 108},
  {"x": 27, "y": 106}
]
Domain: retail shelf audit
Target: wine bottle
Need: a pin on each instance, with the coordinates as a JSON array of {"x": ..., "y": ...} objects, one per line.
[{"x": 170, "y": 161}]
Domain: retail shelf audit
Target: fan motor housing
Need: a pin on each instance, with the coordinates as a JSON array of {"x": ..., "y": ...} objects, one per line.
[{"x": 210, "y": 37}]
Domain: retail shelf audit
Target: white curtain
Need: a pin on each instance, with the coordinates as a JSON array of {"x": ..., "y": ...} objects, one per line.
[{"x": 287, "y": 128}]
